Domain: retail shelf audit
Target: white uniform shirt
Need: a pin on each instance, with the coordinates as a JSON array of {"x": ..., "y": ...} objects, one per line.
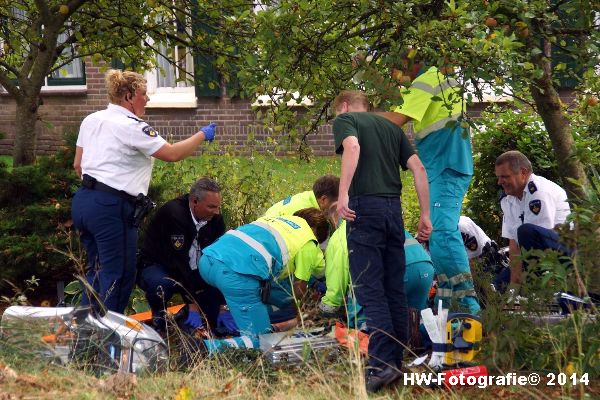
[
  {"x": 195, "y": 251},
  {"x": 473, "y": 236},
  {"x": 544, "y": 204},
  {"x": 117, "y": 148}
]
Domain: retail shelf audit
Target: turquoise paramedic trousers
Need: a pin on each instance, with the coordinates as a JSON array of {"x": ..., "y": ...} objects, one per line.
[
  {"x": 417, "y": 282},
  {"x": 446, "y": 193}
]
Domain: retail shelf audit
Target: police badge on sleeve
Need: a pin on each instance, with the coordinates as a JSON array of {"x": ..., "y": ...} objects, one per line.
[
  {"x": 177, "y": 241},
  {"x": 150, "y": 131},
  {"x": 535, "y": 206}
]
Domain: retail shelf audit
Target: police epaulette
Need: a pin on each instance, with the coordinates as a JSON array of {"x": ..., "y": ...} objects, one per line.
[{"x": 136, "y": 119}]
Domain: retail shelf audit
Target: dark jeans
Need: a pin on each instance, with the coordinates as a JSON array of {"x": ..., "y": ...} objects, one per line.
[
  {"x": 377, "y": 264},
  {"x": 105, "y": 225},
  {"x": 160, "y": 286}
]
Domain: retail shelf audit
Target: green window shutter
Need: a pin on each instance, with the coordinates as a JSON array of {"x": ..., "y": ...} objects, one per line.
[
  {"x": 567, "y": 78},
  {"x": 206, "y": 77}
]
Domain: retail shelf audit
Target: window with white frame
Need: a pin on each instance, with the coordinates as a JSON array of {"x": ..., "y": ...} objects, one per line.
[
  {"x": 70, "y": 74},
  {"x": 171, "y": 83}
]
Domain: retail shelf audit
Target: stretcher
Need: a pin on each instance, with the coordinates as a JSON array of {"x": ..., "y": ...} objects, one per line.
[{"x": 109, "y": 343}]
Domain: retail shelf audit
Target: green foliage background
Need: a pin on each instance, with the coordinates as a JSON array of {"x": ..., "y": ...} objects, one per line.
[{"x": 500, "y": 131}]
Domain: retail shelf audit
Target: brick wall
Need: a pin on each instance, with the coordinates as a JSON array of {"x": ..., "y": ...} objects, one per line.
[{"x": 63, "y": 112}]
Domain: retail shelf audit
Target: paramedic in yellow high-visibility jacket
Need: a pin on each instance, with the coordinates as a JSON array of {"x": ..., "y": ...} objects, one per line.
[
  {"x": 435, "y": 105},
  {"x": 323, "y": 194},
  {"x": 244, "y": 263}
]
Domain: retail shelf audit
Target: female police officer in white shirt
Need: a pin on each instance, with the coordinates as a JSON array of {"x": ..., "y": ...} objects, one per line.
[{"x": 114, "y": 157}]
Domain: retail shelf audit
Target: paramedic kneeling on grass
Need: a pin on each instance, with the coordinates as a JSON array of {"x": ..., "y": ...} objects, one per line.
[
  {"x": 417, "y": 277},
  {"x": 244, "y": 263}
]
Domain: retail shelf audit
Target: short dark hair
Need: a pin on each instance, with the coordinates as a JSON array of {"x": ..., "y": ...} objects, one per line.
[
  {"x": 515, "y": 160},
  {"x": 316, "y": 219},
  {"x": 327, "y": 185},
  {"x": 203, "y": 185}
]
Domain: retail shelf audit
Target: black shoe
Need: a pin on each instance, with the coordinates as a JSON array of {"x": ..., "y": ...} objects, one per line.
[{"x": 376, "y": 380}]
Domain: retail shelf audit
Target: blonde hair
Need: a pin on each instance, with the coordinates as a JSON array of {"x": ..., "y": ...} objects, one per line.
[
  {"x": 119, "y": 83},
  {"x": 355, "y": 97}
]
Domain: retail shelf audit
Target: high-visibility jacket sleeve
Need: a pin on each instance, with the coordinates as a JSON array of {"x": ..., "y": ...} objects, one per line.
[
  {"x": 337, "y": 269},
  {"x": 309, "y": 261}
]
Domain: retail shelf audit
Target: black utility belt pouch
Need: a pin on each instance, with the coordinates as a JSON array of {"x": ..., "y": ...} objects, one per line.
[
  {"x": 88, "y": 182},
  {"x": 142, "y": 207},
  {"x": 265, "y": 290}
]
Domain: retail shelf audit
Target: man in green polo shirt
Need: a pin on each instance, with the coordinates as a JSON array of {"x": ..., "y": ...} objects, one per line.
[
  {"x": 435, "y": 105},
  {"x": 373, "y": 150}
]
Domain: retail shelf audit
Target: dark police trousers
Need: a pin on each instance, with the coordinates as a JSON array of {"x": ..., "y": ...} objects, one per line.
[
  {"x": 105, "y": 224},
  {"x": 160, "y": 286},
  {"x": 377, "y": 264}
]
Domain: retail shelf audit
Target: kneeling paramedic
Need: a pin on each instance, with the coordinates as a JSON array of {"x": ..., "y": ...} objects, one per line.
[
  {"x": 244, "y": 264},
  {"x": 418, "y": 277}
]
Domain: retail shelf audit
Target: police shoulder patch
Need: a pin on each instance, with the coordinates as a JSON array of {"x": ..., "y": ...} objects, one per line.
[
  {"x": 177, "y": 241},
  {"x": 532, "y": 188},
  {"x": 148, "y": 130},
  {"x": 535, "y": 206},
  {"x": 470, "y": 242}
]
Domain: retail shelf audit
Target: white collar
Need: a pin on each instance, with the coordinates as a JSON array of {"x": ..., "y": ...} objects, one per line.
[
  {"x": 122, "y": 110},
  {"x": 199, "y": 223}
]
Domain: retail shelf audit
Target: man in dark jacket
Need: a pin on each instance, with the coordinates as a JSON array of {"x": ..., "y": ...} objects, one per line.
[{"x": 172, "y": 246}]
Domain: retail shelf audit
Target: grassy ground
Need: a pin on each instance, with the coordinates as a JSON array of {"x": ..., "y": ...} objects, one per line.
[
  {"x": 24, "y": 375},
  {"x": 234, "y": 377}
]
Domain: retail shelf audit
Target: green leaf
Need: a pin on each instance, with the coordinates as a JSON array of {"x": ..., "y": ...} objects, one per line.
[
  {"x": 73, "y": 288},
  {"x": 528, "y": 66}
]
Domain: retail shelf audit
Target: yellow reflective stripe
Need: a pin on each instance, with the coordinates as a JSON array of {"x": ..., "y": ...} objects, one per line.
[
  {"x": 436, "y": 126},
  {"x": 255, "y": 245},
  {"x": 464, "y": 293},
  {"x": 444, "y": 293},
  {"x": 460, "y": 278},
  {"x": 446, "y": 84},
  {"x": 285, "y": 255}
]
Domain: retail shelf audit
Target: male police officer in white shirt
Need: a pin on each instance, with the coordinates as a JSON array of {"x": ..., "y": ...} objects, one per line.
[
  {"x": 473, "y": 236},
  {"x": 532, "y": 208}
]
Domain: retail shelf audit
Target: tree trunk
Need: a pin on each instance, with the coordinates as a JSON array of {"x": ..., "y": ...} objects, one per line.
[
  {"x": 558, "y": 126},
  {"x": 559, "y": 129},
  {"x": 25, "y": 133}
]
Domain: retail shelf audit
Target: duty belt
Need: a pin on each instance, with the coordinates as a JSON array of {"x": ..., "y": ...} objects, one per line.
[{"x": 90, "y": 182}]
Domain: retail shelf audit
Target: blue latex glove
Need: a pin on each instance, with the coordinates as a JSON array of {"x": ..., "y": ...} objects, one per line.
[
  {"x": 320, "y": 287},
  {"x": 209, "y": 131},
  {"x": 225, "y": 322},
  {"x": 193, "y": 320}
]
